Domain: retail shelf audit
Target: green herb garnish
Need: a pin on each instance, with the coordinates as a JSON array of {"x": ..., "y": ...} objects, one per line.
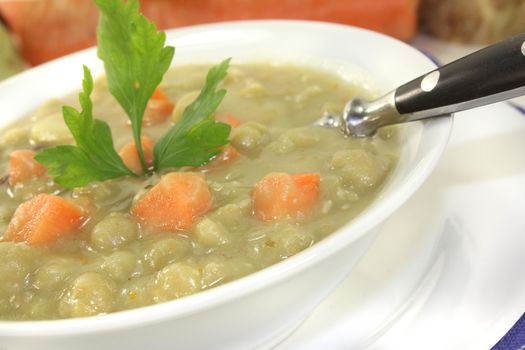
[
  {"x": 93, "y": 158},
  {"x": 196, "y": 127},
  {"x": 135, "y": 59}
]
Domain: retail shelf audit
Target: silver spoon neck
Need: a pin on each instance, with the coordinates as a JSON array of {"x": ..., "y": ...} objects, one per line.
[{"x": 362, "y": 118}]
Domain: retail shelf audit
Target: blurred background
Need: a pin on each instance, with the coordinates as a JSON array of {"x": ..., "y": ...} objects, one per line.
[{"x": 35, "y": 31}]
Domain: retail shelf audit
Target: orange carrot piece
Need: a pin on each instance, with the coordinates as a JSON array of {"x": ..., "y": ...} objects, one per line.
[
  {"x": 175, "y": 202},
  {"x": 159, "y": 108},
  {"x": 71, "y": 25},
  {"x": 23, "y": 167},
  {"x": 228, "y": 154},
  {"x": 43, "y": 220},
  {"x": 228, "y": 118},
  {"x": 159, "y": 94},
  {"x": 280, "y": 195},
  {"x": 130, "y": 156}
]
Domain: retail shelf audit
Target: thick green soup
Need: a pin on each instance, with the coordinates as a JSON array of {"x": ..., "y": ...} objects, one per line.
[{"x": 278, "y": 187}]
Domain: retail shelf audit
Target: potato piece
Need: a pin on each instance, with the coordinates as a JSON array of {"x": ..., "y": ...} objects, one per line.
[
  {"x": 90, "y": 294},
  {"x": 98, "y": 191},
  {"x": 114, "y": 231},
  {"x": 182, "y": 103},
  {"x": 282, "y": 145},
  {"x": 333, "y": 191},
  {"x": 235, "y": 74},
  {"x": 5, "y": 216},
  {"x": 361, "y": 170},
  {"x": 283, "y": 241},
  {"x": 16, "y": 262},
  {"x": 49, "y": 107},
  {"x": 14, "y": 136},
  {"x": 290, "y": 239},
  {"x": 305, "y": 136},
  {"x": 176, "y": 280},
  {"x": 137, "y": 292},
  {"x": 41, "y": 309},
  {"x": 165, "y": 251},
  {"x": 53, "y": 273},
  {"x": 230, "y": 214},
  {"x": 296, "y": 138},
  {"x": 120, "y": 265},
  {"x": 253, "y": 89},
  {"x": 249, "y": 137},
  {"x": 226, "y": 191},
  {"x": 211, "y": 233},
  {"x": 219, "y": 270},
  {"x": 308, "y": 93},
  {"x": 50, "y": 131},
  {"x": 25, "y": 191}
]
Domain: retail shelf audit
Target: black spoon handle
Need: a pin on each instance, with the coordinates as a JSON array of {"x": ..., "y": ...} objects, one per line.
[{"x": 489, "y": 75}]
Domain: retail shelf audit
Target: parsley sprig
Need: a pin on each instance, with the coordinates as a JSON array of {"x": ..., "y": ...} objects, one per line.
[
  {"x": 197, "y": 127},
  {"x": 135, "y": 59},
  {"x": 93, "y": 158}
]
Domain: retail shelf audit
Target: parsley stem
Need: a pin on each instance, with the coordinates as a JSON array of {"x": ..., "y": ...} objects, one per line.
[{"x": 138, "y": 144}]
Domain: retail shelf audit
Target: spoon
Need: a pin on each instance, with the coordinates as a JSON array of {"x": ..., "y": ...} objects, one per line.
[{"x": 490, "y": 75}]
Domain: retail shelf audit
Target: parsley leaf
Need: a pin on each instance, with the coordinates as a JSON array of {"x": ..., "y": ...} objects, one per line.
[
  {"x": 135, "y": 59},
  {"x": 93, "y": 158},
  {"x": 195, "y": 139}
]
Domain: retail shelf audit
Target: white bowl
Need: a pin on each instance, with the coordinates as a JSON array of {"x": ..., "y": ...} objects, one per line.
[{"x": 257, "y": 310}]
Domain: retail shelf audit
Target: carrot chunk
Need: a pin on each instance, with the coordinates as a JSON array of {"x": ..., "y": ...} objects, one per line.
[
  {"x": 228, "y": 154},
  {"x": 175, "y": 202},
  {"x": 228, "y": 118},
  {"x": 23, "y": 166},
  {"x": 159, "y": 108},
  {"x": 43, "y": 220},
  {"x": 159, "y": 94},
  {"x": 130, "y": 156},
  {"x": 280, "y": 195}
]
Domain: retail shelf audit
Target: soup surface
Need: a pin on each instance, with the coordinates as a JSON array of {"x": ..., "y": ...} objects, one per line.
[{"x": 120, "y": 258}]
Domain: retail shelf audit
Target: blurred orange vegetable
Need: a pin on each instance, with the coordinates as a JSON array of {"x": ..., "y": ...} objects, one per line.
[
  {"x": 51, "y": 28},
  {"x": 23, "y": 167},
  {"x": 159, "y": 108},
  {"x": 228, "y": 118},
  {"x": 130, "y": 155},
  {"x": 43, "y": 220}
]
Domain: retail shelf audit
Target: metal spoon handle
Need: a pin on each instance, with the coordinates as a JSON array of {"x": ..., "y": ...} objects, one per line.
[{"x": 489, "y": 75}]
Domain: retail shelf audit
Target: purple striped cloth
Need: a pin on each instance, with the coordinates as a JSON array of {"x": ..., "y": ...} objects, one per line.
[{"x": 515, "y": 338}]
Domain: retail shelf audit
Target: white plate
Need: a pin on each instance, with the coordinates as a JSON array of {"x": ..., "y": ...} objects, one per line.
[{"x": 447, "y": 269}]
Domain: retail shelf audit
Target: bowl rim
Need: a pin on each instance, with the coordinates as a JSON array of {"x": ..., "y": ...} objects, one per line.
[{"x": 258, "y": 280}]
